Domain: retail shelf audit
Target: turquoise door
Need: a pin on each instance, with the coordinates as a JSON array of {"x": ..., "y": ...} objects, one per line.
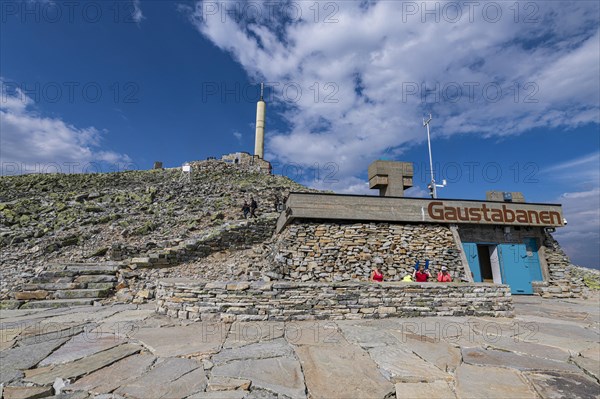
[
  {"x": 470, "y": 249},
  {"x": 533, "y": 260},
  {"x": 515, "y": 268}
]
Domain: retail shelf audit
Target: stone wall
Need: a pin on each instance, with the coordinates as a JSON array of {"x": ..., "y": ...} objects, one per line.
[
  {"x": 325, "y": 251},
  {"x": 565, "y": 279},
  {"x": 236, "y": 236},
  {"x": 248, "y": 162},
  {"x": 284, "y": 301}
]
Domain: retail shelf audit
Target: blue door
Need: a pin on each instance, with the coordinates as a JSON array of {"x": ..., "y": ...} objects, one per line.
[
  {"x": 515, "y": 268},
  {"x": 533, "y": 260},
  {"x": 470, "y": 249}
]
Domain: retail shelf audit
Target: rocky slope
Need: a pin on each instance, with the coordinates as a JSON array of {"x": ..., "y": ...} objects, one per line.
[{"x": 46, "y": 219}]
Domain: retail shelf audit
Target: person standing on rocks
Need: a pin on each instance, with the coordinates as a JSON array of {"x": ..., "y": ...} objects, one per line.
[
  {"x": 246, "y": 209},
  {"x": 253, "y": 207}
]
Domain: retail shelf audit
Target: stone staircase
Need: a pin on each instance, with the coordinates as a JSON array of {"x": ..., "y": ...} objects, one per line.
[
  {"x": 69, "y": 284},
  {"x": 240, "y": 234}
]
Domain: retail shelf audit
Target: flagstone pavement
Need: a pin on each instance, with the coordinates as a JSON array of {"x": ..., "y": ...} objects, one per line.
[{"x": 551, "y": 349}]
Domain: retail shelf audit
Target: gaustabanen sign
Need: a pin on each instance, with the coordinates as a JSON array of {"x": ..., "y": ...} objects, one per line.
[
  {"x": 418, "y": 210},
  {"x": 492, "y": 213}
]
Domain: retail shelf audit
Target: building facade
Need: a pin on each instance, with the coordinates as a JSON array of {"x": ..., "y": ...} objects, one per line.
[{"x": 332, "y": 237}]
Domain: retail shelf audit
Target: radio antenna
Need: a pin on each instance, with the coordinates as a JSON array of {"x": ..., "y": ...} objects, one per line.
[{"x": 431, "y": 186}]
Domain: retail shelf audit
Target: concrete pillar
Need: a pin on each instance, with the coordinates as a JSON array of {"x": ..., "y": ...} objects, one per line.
[{"x": 259, "y": 144}]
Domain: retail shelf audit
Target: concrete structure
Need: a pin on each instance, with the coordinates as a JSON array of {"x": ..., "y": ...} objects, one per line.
[
  {"x": 500, "y": 240},
  {"x": 259, "y": 143},
  {"x": 341, "y": 207},
  {"x": 505, "y": 196},
  {"x": 247, "y": 162},
  {"x": 390, "y": 178}
]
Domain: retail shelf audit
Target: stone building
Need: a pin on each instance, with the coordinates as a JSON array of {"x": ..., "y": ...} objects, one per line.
[
  {"x": 502, "y": 240},
  {"x": 247, "y": 162}
]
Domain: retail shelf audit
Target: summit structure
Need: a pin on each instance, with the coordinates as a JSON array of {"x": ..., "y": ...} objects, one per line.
[{"x": 259, "y": 143}]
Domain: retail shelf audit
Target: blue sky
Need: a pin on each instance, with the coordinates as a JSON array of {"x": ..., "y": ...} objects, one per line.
[{"x": 513, "y": 89}]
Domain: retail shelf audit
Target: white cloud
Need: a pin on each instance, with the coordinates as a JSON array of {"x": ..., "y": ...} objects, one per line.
[
  {"x": 379, "y": 58},
  {"x": 30, "y": 142},
  {"x": 238, "y": 136},
  {"x": 580, "y": 239},
  {"x": 584, "y": 171},
  {"x": 137, "y": 14}
]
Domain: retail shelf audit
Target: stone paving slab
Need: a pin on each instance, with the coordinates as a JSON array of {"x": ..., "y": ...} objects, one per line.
[
  {"x": 439, "y": 353},
  {"x": 455, "y": 331},
  {"x": 341, "y": 371},
  {"x": 592, "y": 352},
  {"x": 366, "y": 336},
  {"x": 36, "y": 333},
  {"x": 260, "y": 350},
  {"x": 589, "y": 366},
  {"x": 218, "y": 383},
  {"x": 84, "y": 395},
  {"x": 129, "y": 315},
  {"x": 129, "y": 322},
  {"x": 189, "y": 384},
  {"x": 194, "y": 339},
  {"x": 6, "y": 314},
  {"x": 8, "y": 336},
  {"x": 555, "y": 385},
  {"x": 80, "y": 346},
  {"x": 167, "y": 379},
  {"x": 491, "y": 383},
  {"x": 313, "y": 333},
  {"x": 277, "y": 374},
  {"x": 575, "y": 319},
  {"x": 220, "y": 395},
  {"x": 479, "y": 356},
  {"x": 399, "y": 365},
  {"x": 432, "y": 390},
  {"x": 565, "y": 342},
  {"x": 126, "y": 323},
  {"x": 572, "y": 331},
  {"x": 157, "y": 321},
  {"x": 112, "y": 377},
  {"x": 4, "y": 345},
  {"x": 492, "y": 327},
  {"x": 24, "y": 357},
  {"x": 518, "y": 346},
  {"x": 244, "y": 333},
  {"x": 88, "y": 314},
  {"x": 83, "y": 366},
  {"x": 11, "y": 392},
  {"x": 577, "y": 310}
]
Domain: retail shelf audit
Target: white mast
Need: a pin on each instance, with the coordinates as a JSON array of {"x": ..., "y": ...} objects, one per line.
[
  {"x": 259, "y": 143},
  {"x": 432, "y": 187}
]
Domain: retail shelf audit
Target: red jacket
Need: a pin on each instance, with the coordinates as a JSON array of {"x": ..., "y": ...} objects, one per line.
[{"x": 421, "y": 277}]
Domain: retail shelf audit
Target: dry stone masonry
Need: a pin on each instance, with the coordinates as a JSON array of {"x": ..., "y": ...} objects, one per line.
[
  {"x": 94, "y": 218},
  {"x": 340, "y": 252},
  {"x": 565, "y": 279},
  {"x": 284, "y": 301},
  {"x": 239, "y": 235}
]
